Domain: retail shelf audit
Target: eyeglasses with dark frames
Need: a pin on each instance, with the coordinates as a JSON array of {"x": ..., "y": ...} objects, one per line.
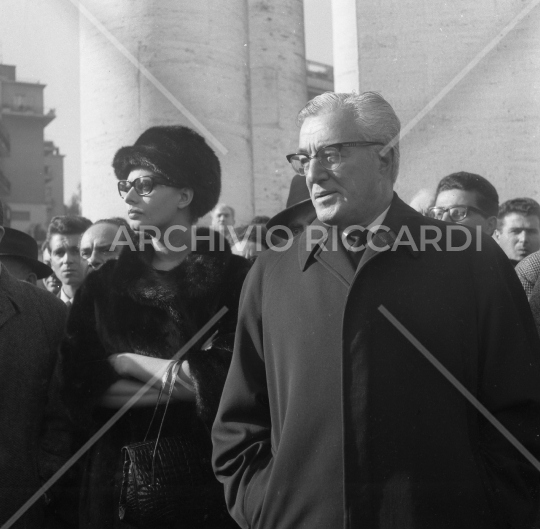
[
  {"x": 456, "y": 213},
  {"x": 143, "y": 185},
  {"x": 329, "y": 157}
]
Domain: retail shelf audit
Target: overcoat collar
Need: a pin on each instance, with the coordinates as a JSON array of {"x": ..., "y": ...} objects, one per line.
[
  {"x": 401, "y": 222},
  {"x": 9, "y": 291}
]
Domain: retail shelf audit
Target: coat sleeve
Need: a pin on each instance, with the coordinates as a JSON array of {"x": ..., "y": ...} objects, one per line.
[
  {"x": 85, "y": 372},
  {"x": 57, "y": 429},
  {"x": 509, "y": 383},
  {"x": 242, "y": 456},
  {"x": 535, "y": 304},
  {"x": 209, "y": 368}
]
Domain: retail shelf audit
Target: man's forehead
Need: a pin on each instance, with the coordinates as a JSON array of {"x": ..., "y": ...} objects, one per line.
[
  {"x": 518, "y": 220},
  {"x": 330, "y": 127},
  {"x": 456, "y": 197},
  {"x": 98, "y": 233},
  {"x": 58, "y": 239}
]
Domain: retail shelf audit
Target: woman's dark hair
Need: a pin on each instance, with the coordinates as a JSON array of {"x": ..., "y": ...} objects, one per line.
[{"x": 180, "y": 155}]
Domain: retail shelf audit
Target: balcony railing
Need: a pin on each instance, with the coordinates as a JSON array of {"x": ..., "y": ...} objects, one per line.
[
  {"x": 320, "y": 70},
  {"x": 28, "y": 110}
]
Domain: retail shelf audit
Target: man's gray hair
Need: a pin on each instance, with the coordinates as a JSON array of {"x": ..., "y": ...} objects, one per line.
[{"x": 373, "y": 114}]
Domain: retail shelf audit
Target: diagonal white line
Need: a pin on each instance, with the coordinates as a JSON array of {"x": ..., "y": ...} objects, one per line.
[
  {"x": 122, "y": 411},
  {"x": 461, "y": 388},
  {"x": 144, "y": 71},
  {"x": 450, "y": 86}
]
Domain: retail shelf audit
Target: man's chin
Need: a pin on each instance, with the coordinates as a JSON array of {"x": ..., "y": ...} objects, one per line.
[
  {"x": 328, "y": 216},
  {"x": 72, "y": 281}
]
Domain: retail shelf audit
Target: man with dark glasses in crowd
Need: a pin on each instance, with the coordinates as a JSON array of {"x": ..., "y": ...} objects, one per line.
[{"x": 468, "y": 199}]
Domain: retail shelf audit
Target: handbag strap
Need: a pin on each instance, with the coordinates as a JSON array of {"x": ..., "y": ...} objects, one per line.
[
  {"x": 164, "y": 380},
  {"x": 172, "y": 372}
]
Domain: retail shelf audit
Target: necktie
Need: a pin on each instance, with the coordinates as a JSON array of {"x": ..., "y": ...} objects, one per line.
[{"x": 356, "y": 239}]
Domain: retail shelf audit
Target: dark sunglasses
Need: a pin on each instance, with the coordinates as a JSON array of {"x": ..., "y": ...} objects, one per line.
[
  {"x": 456, "y": 213},
  {"x": 143, "y": 185}
]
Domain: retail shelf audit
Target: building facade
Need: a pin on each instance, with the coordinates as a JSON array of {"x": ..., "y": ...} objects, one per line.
[
  {"x": 31, "y": 171},
  {"x": 470, "y": 70},
  {"x": 320, "y": 78},
  {"x": 53, "y": 175},
  {"x": 463, "y": 78}
]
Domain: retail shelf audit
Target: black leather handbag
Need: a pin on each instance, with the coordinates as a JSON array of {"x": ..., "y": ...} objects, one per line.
[{"x": 168, "y": 481}]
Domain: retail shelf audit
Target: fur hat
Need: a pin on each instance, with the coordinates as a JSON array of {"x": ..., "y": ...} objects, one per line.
[{"x": 179, "y": 154}]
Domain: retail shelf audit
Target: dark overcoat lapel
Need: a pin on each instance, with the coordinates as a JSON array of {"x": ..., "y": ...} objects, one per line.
[{"x": 362, "y": 430}]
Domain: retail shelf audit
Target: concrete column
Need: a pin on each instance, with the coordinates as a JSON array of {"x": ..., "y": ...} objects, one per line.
[
  {"x": 345, "y": 49},
  {"x": 489, "y": 123},
  {"x": 198, "y": 52},
  {"x": 278, "y": 93}
]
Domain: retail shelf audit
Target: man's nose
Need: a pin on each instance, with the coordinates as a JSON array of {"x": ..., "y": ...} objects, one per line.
[
  {"x": 94, "y": 260},
  {"x": 69, "y": 257},
  {"x": 315, "y": 172},
  {"x": 446, "y": 217}
]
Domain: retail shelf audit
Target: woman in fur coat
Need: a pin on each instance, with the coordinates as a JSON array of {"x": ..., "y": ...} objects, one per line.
[{"x": 132, "y": 315}]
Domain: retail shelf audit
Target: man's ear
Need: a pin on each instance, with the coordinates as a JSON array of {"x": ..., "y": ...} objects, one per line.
[
  {"x": 492, "y": 225},
  {"x": 185, "y": 197},
  {"x": 31, "y": 278},
  {"x": 2, "y": 231},
  {"x": 386, "y": 162}
]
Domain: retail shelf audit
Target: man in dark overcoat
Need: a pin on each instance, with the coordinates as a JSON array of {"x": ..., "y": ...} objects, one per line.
[
  {"x": 330, "y": 417},
  {"x": 34, "y": 441}
]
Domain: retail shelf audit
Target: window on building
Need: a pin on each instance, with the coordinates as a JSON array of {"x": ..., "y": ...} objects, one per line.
[
  {"x": 19, "y": 101},
  {"x": 20, "y": 215}
]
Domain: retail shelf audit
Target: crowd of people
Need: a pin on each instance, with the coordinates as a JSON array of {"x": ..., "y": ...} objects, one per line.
[{"x": 269, "y": 352}]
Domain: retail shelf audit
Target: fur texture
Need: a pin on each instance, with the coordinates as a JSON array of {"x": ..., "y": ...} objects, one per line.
[{"x": 127, "y": 306}]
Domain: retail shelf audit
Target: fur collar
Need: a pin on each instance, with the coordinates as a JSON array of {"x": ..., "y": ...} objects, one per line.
[{"x": 198, "y": 276}]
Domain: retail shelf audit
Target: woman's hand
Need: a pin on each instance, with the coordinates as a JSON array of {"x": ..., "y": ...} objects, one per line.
[
  {"x": 146, "y": 368},
  {"x": 185, "y": 369},
  {"x": 120, "y": 363}
]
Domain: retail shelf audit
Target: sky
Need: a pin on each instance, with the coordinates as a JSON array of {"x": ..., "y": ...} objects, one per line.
[{"x": 40, "y": 37}]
